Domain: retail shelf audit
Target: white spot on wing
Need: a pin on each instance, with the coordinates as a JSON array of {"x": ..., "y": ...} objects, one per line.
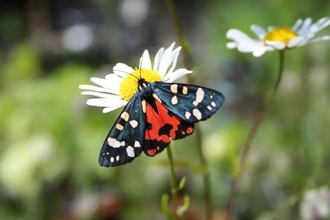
[
  {"x": 174, "y": 100},
  {"x": 137, "y": 144},
  {"x": 117, "y": 158},
  {"x": 114, "y": 143},
  {"x": 111, "y": 140},
  {"x": 184, "y": 90},
  {"x": 125, "y": 116},
  {"x": 144, "y": 106},
  {"x": 157, "y": 98},
  {"x": 187, "y": 115},
  {"x": 197, "y": 114},
  {"x": 174, "y": 88},
  {"x": 112, "y": 159},
  {"x": 133, "y": 123},
  {"x": 213, "y": 104},
  {"x": 209, "y": 107},
  {"x": 130, "y": 151},
  {"x": 119, "y": 127},
  {"x": 199, "y": 96}
]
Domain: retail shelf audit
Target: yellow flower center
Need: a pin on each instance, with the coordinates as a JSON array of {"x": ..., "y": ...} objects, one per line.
[
  {"x": 129, "y": 85},
  {"x": 283, "y": 34}
]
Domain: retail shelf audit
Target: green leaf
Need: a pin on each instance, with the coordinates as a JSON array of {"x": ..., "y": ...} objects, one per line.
[
  {"x": 164, "y": 204},
  {"x": 182, "y": 183}
]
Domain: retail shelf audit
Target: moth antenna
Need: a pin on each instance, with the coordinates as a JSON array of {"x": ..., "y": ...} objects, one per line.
[{"x": 130, "y": 74}]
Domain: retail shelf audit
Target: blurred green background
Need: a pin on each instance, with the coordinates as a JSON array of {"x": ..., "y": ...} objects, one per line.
[{"x": 50, "y": 139}]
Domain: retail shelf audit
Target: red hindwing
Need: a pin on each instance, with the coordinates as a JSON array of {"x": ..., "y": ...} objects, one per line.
[{"x": 162, "y": 126}]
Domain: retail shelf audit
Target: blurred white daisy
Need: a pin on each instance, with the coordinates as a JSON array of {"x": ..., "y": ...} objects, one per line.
[
  {"x": 117, "y": 88},
  {"x": 315, "y": 204},
  {"x": 277, "y": 38}
]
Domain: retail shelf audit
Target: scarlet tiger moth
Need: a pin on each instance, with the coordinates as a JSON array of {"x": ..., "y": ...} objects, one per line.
[{"x": 156, "y": 114}]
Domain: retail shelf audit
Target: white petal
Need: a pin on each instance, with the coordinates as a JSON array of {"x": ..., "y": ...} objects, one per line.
[
  {"x": 115, "y": 81},
  {"x": 176, "y": 74},
  {"x": 109, "y": 109},
  {"x": 110, "y": 104},
  {"x": 296, "y": 42},
  {"x": 113, "y": 86},
  {"x": 297, "y": 25},
  {"x": 247, "y": 48},
  {"x": 113, "y": 78},
  {"x": 237, "y": 35},
  {"x": 270, "y": 28},
  {"x": 304, "y": 29},
  {"x": 158, "y": 57},
  {"x": 319, "y": 25},
  {"x": 259, "y": 31},
  {"x": 319, "y": 39},
  {"x": 95, "y": 88},
  {"x": 258, "y": 51},
  {"x": 231, "y": 45},
  {"x": 101, "y": 95},
  {"x": 278, "y": 45},
  {"x": 303, "y": 42},
  {"x": 172, "y": 61},
  {"x": 145, "y": 61},
  {"x": 122, "y": 70},
  {"x": 243, "y": 42},
  {"x": 165, "y": 59},
  {"x": 101, "y": 82},
  {"x": 246, "y": 44}
]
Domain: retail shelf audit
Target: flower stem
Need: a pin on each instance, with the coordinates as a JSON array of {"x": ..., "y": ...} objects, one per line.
[
  {"x": 206, "y": 176},
  {"x": 187, "y": 58},
  {"x": 173, "y": 181},
  {"x": 251, "y": 135}
]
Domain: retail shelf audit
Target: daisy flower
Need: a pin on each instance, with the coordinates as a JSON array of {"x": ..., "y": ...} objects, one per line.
[
  {"x": 117, "y": 88},
  {"x": 278, "y": 38}
]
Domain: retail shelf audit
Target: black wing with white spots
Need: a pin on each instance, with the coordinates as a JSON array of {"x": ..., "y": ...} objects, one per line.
[
  {"x": 189, "y": 102},
  {"x": 126, "y": 137}
]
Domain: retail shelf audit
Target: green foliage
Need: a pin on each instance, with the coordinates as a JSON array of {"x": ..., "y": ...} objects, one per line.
[
  {"x": 23, "y": 63},
  {"x": 50, "y": 139}
]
